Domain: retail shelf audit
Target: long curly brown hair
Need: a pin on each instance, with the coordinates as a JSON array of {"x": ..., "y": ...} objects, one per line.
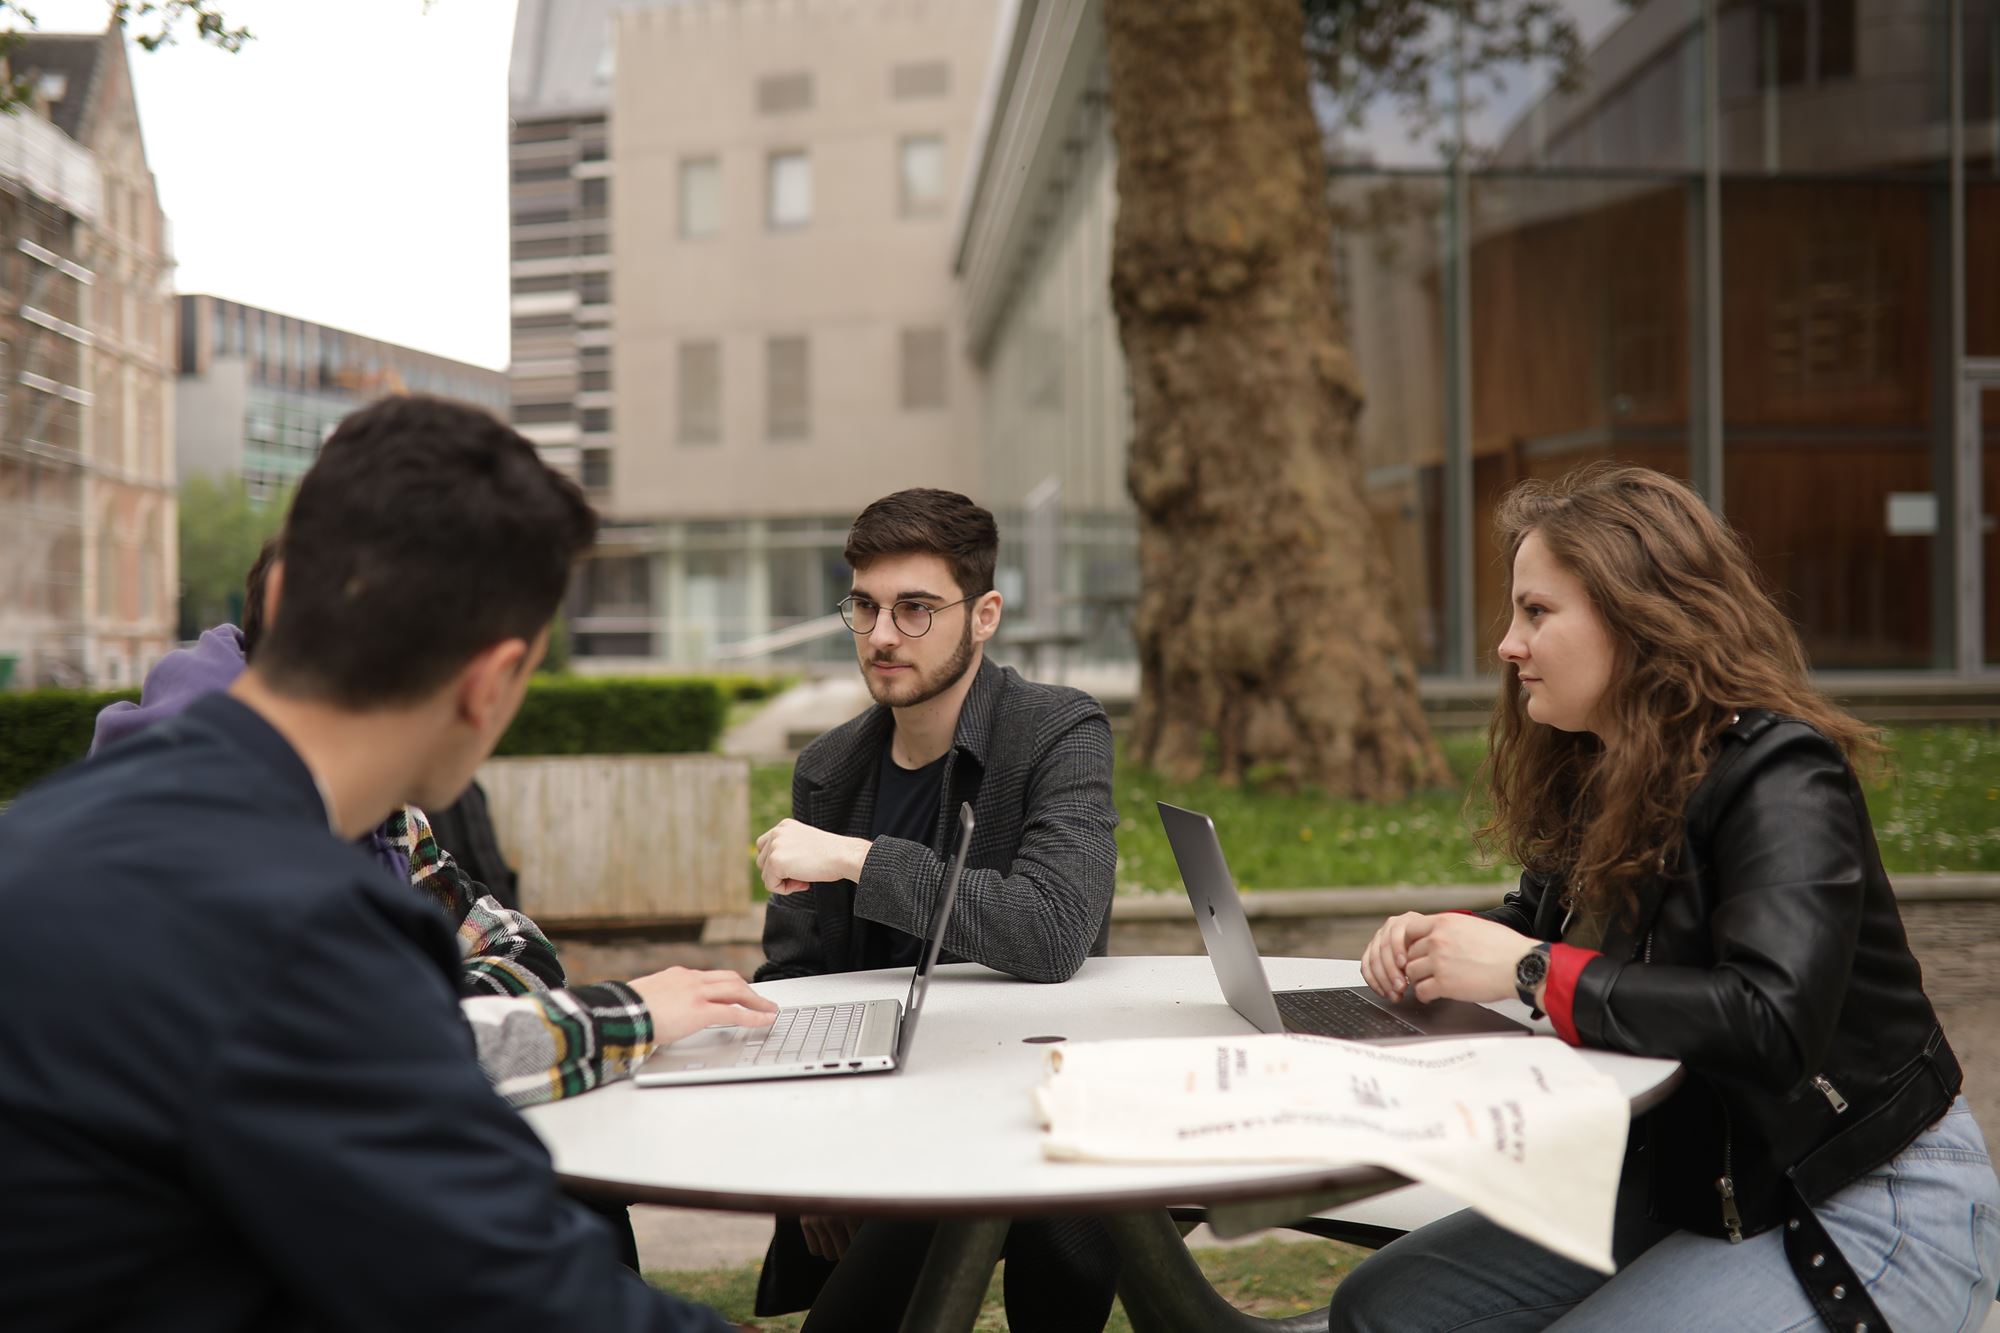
[{"x": 1696, "y": 637}]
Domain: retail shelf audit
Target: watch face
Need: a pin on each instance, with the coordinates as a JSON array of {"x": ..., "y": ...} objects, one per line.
[{"x": 1534, "y": 965}]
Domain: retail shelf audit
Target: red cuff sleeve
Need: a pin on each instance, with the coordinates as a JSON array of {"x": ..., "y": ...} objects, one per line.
[{"x": 1566, "y": 964}]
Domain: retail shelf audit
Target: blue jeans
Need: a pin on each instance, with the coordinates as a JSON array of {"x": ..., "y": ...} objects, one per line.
[{"x": 1922, "y": 1232}]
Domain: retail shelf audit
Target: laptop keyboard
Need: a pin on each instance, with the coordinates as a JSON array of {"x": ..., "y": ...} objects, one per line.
[
  {"x": 1339, "y": 1013},
  {"x": 810, "y": 1035}
]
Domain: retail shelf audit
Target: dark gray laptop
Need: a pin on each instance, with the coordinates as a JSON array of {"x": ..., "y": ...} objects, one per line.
[
  {"x": 1354, "y": 1013},
  {"x": 851, "y": 1037}
]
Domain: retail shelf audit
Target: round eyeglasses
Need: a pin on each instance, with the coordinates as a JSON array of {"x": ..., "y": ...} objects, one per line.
[{"x": 911, "y": 619}]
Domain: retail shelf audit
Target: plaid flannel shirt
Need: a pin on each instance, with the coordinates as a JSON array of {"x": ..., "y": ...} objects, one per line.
[{"x": 538, "y": 1039}]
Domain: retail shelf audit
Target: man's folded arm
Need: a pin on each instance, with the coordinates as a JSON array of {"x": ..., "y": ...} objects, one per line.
[{"x": 1038, "y": 919}]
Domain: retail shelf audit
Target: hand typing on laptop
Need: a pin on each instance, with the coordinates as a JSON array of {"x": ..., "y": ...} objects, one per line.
[{"x": 683, "y": 1001}]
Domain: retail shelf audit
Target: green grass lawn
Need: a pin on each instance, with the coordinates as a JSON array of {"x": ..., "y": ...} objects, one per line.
[
  {"x": 1937, "y": 809},
  {"x": 1270, "y": 1278}
]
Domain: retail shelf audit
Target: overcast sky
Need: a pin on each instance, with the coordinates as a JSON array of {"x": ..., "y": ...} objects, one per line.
[{"x": 347, "y": 167}]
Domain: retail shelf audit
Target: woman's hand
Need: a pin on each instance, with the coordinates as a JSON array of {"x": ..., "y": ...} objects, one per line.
[
  {"x": 1455, "y": 956},
  {"x": 1387, "y": 955}
]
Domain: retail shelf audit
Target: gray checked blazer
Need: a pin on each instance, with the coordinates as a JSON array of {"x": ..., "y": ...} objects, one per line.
[{"x": 1035, "y": 762}]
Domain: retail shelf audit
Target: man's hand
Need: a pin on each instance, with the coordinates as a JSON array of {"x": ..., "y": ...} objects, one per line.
[
  {"x": 793, "y": 856},
  {"x": 1454, "y": 956},
  {"x": 683, "y": 1000},
  {"x": 829, "y": 1237}
]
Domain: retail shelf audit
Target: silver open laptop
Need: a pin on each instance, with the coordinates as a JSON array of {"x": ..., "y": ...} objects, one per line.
[
  {"x": 1355, "y": 1013},
  {"x": 852, "y": 1037}
]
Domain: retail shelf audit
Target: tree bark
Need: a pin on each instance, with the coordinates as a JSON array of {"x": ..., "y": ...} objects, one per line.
[{"x": 1268, "y": 646}]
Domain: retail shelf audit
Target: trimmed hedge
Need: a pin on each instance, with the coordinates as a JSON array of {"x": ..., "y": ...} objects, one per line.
[
  {"x": 617, "y": 715},
  {"x": 750, "y": 689},
  {"x": 44, "y": 730}
]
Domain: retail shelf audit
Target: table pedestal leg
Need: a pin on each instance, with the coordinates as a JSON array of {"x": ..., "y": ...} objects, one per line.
[
  {"x": 955, "y": 1276},
  {"x": 1164, "y": 1291}
]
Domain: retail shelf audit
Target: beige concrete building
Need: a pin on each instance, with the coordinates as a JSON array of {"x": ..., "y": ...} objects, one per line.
[
  {"x": 777, "y": 301},
  {"x": 122, "y": 270}
]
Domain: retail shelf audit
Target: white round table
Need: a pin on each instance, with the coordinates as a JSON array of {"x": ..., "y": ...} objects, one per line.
[{"x": 953, "y": 1134}]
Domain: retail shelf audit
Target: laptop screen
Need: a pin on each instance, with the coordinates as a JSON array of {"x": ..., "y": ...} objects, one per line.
[{"x": 920, "y": 976}]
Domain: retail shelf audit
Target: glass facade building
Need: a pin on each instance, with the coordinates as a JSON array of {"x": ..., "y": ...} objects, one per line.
[
  {"x": 1754, "y": 243},
  {"x": 259, "y": 392}
]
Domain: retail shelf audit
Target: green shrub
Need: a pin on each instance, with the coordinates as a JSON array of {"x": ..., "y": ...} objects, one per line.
[
  {"x": 742, "y": 689},
  {"x": 612, "y": 715},
  {"x": 44, "y": 730}
]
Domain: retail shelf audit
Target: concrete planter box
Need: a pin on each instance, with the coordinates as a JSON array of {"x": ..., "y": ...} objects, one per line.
[{"x": 624, "y": 840}]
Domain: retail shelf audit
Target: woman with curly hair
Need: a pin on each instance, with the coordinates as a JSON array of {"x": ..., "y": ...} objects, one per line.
[{"x": 1701, "y": 883}]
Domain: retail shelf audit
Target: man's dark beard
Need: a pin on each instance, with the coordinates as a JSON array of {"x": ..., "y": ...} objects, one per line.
[{"x": 948, "y": 675}]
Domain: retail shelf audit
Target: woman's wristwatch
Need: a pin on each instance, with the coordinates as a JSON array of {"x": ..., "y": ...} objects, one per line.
[{"x": 1530, "y": 972}]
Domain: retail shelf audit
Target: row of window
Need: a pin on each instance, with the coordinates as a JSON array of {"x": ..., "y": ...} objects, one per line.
[
  {"x": 923, "y": 375},
  {"x": 788, "y": 187},
  {"x": 306, "y": 355},
  {"x": 792, "y": 90}
]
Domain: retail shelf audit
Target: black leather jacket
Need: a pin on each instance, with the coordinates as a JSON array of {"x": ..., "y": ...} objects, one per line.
[{"x": 1772, "y": 963}]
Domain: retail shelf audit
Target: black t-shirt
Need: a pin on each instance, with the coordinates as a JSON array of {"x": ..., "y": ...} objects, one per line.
[{"x": 906, "y": 806}]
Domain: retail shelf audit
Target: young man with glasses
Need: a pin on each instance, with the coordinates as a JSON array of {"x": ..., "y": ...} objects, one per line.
[{"x": 856, "y": 873}]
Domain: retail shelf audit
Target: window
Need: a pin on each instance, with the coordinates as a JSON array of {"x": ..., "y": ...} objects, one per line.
[
  {"x": 931, "y": 78},
  {"x": 539, "y": 217},
  {"x": 596, "y": 420},
  {"x": 779, "y": 93},
  {"x": 107, "y": 572},
  {"x": 922, "y": 176},
  {"x": 149, "y": 569},
  {"x": 701, "y": 197},
  {"x": 557, "y": 248},
  {"x": 700, "y": 393},
  {"x": 789, "y": 190},
  {"x": 923, "y": 369},
  {"x": 539, "y": 172},
  {"x": 787, "y": 389},
  {"x": 594, "y": 373},
  {"x": 596, "y": 469}
]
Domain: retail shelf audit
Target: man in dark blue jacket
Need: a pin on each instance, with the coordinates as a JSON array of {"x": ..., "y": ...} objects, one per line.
[{"x": 235, "y": 1088}]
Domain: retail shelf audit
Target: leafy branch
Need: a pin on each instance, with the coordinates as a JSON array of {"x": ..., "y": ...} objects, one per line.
[{"x": 154, "y": 24}]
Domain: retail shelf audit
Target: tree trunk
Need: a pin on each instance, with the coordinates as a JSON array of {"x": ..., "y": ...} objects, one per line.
[{"x": 1268, "y": 645}]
